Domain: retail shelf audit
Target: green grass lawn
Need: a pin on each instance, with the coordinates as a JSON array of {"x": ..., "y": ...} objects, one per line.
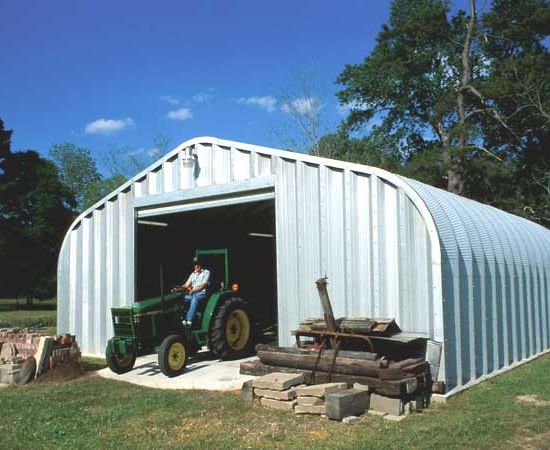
[
  {"x": 16, "y": 313},
  {"x": 91, "y": 412}
]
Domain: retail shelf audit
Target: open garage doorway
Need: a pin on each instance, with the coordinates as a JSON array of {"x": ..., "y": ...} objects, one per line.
[{"x": 167, "y": 243}]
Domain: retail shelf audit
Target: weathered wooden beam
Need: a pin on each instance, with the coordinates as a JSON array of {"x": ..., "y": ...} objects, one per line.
[
  {"x": 350, "y": 366},
  {"x": 330, "y": 353},
  {"x": 321, "y": 284}
]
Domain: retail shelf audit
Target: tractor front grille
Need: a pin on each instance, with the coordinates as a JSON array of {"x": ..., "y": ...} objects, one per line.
[{"x": 123, "y": 322}]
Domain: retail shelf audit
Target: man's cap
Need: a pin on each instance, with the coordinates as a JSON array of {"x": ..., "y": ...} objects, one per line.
[{"x": 196, "y": 260}]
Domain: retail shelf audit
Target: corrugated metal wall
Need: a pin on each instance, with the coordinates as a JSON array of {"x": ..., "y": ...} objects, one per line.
[
  {"x": 355, "y": 224},
  {"x": 361, "y": 231},
  {"x": 496, "y": 285}
]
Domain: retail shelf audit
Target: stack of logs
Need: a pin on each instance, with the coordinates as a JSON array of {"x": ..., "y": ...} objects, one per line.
[{"x": 381, "y": 374}]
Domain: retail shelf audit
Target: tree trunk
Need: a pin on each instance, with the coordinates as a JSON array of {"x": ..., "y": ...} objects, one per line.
[{"x": 455, "y": 180}]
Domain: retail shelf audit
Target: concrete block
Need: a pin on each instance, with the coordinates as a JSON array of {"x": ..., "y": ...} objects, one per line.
[
  {"x": 278, "y": 404},
  {"x": 438, "y": 398},
  {"x": 360, "y": 387},
  {"x": 42, "y": 355},
  {"x": 346, "y": 403},
  {"x": 388, "y": 405},
  {"x": 278, "y": 381},
  {"x": 318, "y": 409},
  {"x": 289, "y": 394},
  {"x": 350, "y": 420},
  {"x": 393, "y": 418},
  {"x": 320, "y": 390},
  {"x": 372, "y": 412},
  {"x": 310, "y": 401},
  {"x": 247, "y": 391},
  {"x": 8, "y": 372},
  {"x": 8, "y": 352}
]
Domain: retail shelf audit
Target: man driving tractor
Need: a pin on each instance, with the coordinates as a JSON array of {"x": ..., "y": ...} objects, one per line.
[{"x": 194, "y": 289}]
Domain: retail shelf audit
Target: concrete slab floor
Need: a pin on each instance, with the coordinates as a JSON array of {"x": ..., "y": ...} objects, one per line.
[{"x": 201, "y": 372}]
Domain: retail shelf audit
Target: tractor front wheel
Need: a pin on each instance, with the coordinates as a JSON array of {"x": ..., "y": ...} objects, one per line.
[
  {"x": 173, "y": 355},
  {"x": 231, "y": 334},
  {"x": 120, "y": 363}
]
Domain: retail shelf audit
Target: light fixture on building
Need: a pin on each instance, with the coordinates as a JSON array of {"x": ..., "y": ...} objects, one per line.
[
  {"x": 155, "y": 224},
  {"x": 265, "y": 235}
]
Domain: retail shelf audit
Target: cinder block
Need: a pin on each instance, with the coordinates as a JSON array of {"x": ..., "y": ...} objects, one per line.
[
  {"x": 247, "y": 391},
  {"x": 350, "y": 420},
  {"x": 42, "y": 355},
  {"x": 388, "y": 405},
  {"x": 360, "y": 387},
  {"x": 346, "y": 403},
  {"x": 310, "y": 401},
  {"x": 278, "y": 381},
  {"x": 320, "y": 390},
  {"x": 318, "y": 409},
  {"x": 393, "y": 418},
  {"x": 8, "y": 372},
  {"x": 438, "y": 398},
  {"x": 8, "y": 352},
  {"x": 289, "y": 394},
  {"x": 278, "y": 404}
]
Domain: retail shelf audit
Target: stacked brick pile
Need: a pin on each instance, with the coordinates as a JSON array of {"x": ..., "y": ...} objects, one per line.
[
  {"x": 287, "y": 391},
  {"x": 25, "y": 340},
  {"x": 18, "y": 345}
]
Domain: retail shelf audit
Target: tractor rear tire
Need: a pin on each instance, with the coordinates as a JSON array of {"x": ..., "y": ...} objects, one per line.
[
  {"x": 120, "y": 363},
  {"x": 173, "y": 355},
  {"x": 231, "y": 334}
]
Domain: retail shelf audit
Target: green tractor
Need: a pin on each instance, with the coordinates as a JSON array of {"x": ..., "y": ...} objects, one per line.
[{"x": 222, "y": 322}]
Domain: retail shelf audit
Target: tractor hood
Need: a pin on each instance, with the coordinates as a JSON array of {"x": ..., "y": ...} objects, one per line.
[{"x": 154, "y": 303}]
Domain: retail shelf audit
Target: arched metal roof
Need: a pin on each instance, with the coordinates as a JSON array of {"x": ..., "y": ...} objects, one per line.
[{"x": 496, "y": 285}]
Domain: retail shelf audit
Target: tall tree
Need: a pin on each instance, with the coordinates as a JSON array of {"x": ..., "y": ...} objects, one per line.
[
  {"x": 35, "y": 211},
  {"x": 449, "y": 86},
  {"x": 77, "y": 170}
]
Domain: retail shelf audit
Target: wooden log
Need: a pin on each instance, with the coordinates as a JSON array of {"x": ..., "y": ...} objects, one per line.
[
  {"x": 405, "y": 362},
  {"x": 321, "y": 284},
  {"x": 397, "y": 373},
  {"x": 330, "y": 353},
  {"x": 382, "y": 387},
  {"x": 349, "y": 366}
]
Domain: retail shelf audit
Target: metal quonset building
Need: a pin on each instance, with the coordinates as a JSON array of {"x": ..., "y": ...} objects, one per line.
[{"x": 465, "y": 274}]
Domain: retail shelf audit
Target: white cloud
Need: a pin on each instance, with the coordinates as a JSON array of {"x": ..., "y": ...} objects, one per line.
[
  {"x": 266, "y": 102},
  {"x": 344, "y": 109},
  {"x": 153, "y": 151},
  {"x": 301, "y": 105},
  {"x": 180, "y": 114},
  {"x": 170, "y": 100},
  {"x": 108, "y": 126},
  {"x": 204, "y": 96}
]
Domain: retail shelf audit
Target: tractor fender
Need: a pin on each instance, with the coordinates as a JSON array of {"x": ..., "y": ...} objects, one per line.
[{"x": 214, "y": 301}]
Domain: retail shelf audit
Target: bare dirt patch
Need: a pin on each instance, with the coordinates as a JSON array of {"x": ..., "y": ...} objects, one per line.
[
  {"x": 62, "y": 373},
  {"x": 531, "y": 398},
  {"x": 532, "y": 442}
]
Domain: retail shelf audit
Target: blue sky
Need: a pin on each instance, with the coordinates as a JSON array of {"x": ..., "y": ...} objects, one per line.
[{"x": 117, "y": 74}]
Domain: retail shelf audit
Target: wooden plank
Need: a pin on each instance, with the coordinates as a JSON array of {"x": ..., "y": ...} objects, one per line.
[
  {"x": 304, "y": 351},
  {"x": 321, "y": 284},
  {"x": 354, "y": 325}
]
